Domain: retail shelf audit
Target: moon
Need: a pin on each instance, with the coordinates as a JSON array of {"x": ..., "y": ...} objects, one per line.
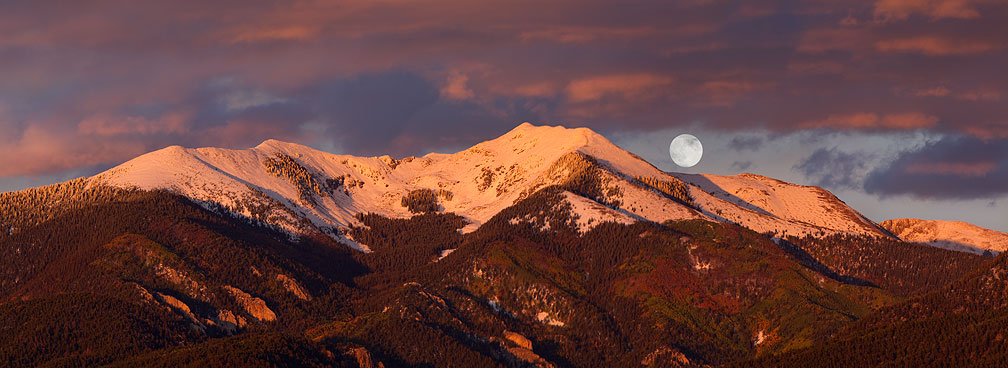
[{"x": 686, "y": 150}]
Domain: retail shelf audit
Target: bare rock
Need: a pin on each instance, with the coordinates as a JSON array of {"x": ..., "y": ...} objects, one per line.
[
  {"x": 228, "y": 322},
  {"x": 518, "y": 339},
  {"x": 292, "y": 285},
  {"x": 364, "y": 359},
  {"x": 253, "y": 306},
  {"x": 180, "y": 307}
]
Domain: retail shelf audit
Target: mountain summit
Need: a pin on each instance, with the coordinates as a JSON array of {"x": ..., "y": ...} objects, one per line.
[
  {"x": 954, "y": 235},
  {"x": 285, "y": 183},
  {"x": 544, "y": 247}
]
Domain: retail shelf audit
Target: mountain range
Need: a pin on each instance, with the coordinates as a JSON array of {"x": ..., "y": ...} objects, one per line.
[{"x": 546, "y": 246}]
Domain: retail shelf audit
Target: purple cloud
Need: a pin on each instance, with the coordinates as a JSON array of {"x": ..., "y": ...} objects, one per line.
[
  {"x": 833, "y": 168},
  {"x": 958, "y": 167}
]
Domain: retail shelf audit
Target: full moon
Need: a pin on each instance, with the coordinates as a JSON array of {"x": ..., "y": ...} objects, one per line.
[{"x": 685, "y": 150}]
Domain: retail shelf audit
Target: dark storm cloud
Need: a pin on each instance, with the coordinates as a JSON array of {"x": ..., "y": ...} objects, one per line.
[
  {"x": 834, "y": 169},
  {"x": 959, "y": 167},
  {"x": 88, "y": 84}
]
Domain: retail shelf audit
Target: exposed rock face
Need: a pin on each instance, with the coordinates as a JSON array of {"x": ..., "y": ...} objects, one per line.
[
  {"x": 364, "y": 359},
  {"x": 293, "y": 286},
  {"x": 522, "y": 350},
  {"x": 518, "y": 339},
  {"x": 177, "y": 305},
  {"x": 181, "y": 308},
  {"x": 228, "y": 322},
  {"x": 144, "y": 294},
  {"x": 253, "y": 306}
]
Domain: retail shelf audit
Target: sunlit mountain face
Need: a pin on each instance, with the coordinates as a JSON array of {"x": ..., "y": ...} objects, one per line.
[
  {"x": 546, "y": 246},
  {"x": 449, "y": 183}
]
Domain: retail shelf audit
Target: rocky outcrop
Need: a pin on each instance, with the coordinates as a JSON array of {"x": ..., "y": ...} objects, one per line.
[
  {"x": 518, "y": 339},
  {"x": 292, "y": 285},
  {"x": 363, "y": 358},
  {"x": 255, "y": 307},
  {"x": 180, "y": 307},
  {"x": 228, "y": 322},
  {"x": 522, "y": 350}
]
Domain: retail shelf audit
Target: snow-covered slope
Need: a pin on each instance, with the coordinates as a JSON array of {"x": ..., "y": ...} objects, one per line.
[
  {"x": 954, "y": 235},
  {"x": 285, "y": 184},
  {"x": 767, "y": 204}
]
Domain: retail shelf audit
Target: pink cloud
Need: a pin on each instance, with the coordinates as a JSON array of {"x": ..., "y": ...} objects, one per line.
[
  {"x": 106, "y": 125},
  {"x": 586, "y": 34},
  {"x": 904, "y": 121},
  {"x": 621, "y": 85},
  {"x": 456, "y": 87},
  {"x": 939, "y": 91},
  {"x": 539, "y": 89},
  {"x": 282, "y": 33},
  {"x": 41, "y": 150},
  {"x": 931, "y": 45},
  {"x": 886, "y": 10},
  {"x": 986, "y": 132}
]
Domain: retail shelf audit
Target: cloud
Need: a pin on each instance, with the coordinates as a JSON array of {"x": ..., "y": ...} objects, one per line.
[
  {"x": 939, "y": 91},
  {"x": 980, "y": 95},
  {"x": 834, "y": 169},
  {"x": 627, "y": 86},
  {"x": 822, "y": 40},
  {"x": 40, "y": 150},
  {"x": 726, "y": 92},
  {"x": 751, "y": 143},
  {"x": 244, "y": 99},
  {"x": 455, "y": 88},
  {"x": 404, "y": 77},
  {"x": 283, "y": 33},
  {"x": 741, "y": 165},
  {"x": 575, "y": 34},
  {"x": 935, "y": 9},
  {"x": 103, "y": 125},
  {"x": 955, "y": 167},
  {"x": 935, "y": 46},
  {"x": 902, "y": 121}
]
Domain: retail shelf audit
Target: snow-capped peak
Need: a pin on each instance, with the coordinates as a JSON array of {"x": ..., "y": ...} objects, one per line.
[{"x": 283, "y": 183}]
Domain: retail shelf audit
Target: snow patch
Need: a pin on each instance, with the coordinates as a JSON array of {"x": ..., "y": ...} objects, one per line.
[
  {"x": 445, "y": 253},
  {"x": 589, "y": 213}
]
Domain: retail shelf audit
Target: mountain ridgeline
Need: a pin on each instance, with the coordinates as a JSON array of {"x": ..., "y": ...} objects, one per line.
[{"x": 545, "y": 247}]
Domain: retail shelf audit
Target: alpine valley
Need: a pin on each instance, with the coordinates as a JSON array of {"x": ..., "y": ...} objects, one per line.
[{"x": 545, "y": 247}]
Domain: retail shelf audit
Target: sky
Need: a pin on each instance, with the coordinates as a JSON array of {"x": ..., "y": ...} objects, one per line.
[{"x": 900, "y": 107}]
